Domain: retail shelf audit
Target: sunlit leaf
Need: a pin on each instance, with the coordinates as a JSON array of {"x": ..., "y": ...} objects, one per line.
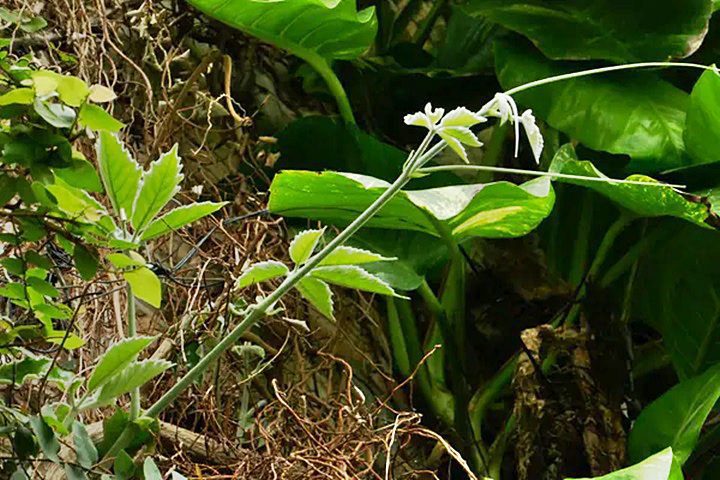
[
  {"x": 303, "y": 245},
  {"x": 351, "y": 276},
  {"x": 157, "y": 187},
  {"x": 116, "y": 358},
  {"x": 180, "y": 217},
  {"x": 260, "y": 272},
  {"x": 120, "y": 173},
  {"x": 318, "y": 293}
]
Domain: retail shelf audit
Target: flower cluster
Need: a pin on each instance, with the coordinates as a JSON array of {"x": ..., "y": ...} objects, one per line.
[{"x": 454, "y": 127}]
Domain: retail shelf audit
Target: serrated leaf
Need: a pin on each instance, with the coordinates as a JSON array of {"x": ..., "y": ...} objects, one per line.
[
  {"x": 157, "y": 187},
  {"x": 260, "y": 272},
  {"x": 351, "y": 276},
  {"x": 145, "y": 285},
  {"x": 676, "y": 418},
  {"x": 656, "y": 467},
  {"x": 17, "y": 372},
  {"x": 46, "y": 438},
  {"x": 134, "y": 375},
  {"x": 96, "y": 118},
  {"x": 330, "y": 29},
  {"x": 180, "y": 217},
  {"x": 352, "y": 256},
  {"x": 318, "y": 293},
  {"x": 303, "y": 245},
  {"x": 116, "y": 358},
  {"x": 87, "y": 454},
  {"x": 119, "y": 172}
]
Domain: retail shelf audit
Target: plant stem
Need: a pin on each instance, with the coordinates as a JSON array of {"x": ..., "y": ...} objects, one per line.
[
  {"x": 595, "y": 71},
  {"x": 582, "y": 244},
  {"x": 333, "y": 83},
  {"x": 132, "y": 331},
  {"x": 537, "y": 173}
]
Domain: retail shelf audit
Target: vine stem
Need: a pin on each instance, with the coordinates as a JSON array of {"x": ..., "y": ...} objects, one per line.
[
  {"x": 255, "y": 313},
  {"x": 595, "y": 71}
]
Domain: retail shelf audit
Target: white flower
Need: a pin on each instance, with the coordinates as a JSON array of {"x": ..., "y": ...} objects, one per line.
[
  {"x": 428, "y": 119},
  {"x": 454, "y": 127},
  {"x": 533, "y": 133},
  {"x": 503, "y": 107}
]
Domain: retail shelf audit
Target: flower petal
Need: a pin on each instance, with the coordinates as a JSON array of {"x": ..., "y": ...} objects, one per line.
[
  {"x": 461, "y": 117},
  {"x": 434, "y": 115},
  {"x": 533, "y": 133}
]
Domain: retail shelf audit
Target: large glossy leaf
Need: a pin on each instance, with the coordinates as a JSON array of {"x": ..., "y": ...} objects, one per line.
[
  {"x": 702, "y": 130},
  {"x": 681, "y": 295},
  {"x": 656, "y": 467},
  {"x": 640, "y": 30},
  {"x": 495, "y": 210},
  {"x": 675, "y": 418},
  {"x": 331, "y": 29},
  {"x": 633, "y": 113},
  {"x": 640, "y": 200}
]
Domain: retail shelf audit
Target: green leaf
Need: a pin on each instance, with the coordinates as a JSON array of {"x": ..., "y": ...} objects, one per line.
[
  {"x": 56, "y": 114},
  {"x": 150, "y": 470},
  {"x": 260, "y": 272},
  {"x": 86, "y": 262},
  {"x": 642, "y": 201},
  {"x": 676, "y": 418},
  {"x": 120, "y": 260},
  {"x": 76, "y": 203},
  {"x": 680, "y": 294},
  {"x": 352, "y": 256},
  {"x": 71, "y": 90},
  {"x": 303, "y": 245},
  {"x": 80, "y": 174},
  {"x": 101, "y": 94},
  {"x": 145, "y": 285},
  {"x": 43, "y": 287},
  {"x": 116, "y": 358},
  {"x": 46, "y": 438},
  {"x": 21, "y": 96},
  {"x": 87, "y": 454},
  {"x": 318, "y": 293},
  {"x": 96, "y": 118},
  {"x": 632, "y": 113},
  {"x": 180, "y": 217},
  {"x": 329, "y": 29},
  {"x": 339, "y": 197},
  {"x": 74, "y": 473},
  {"x": 351, "y": 276},
  {"x": 19, "y": 371},
  {"x": 702, "y": 129},
  {"x": 123, "y": 466},
  {"x": 134, "y": 375},
  {"x": 603, "y": 29},
  {"x": 656, "y": 467},
  {"x": 157, "y": 187},
  {"x": 120, "y": 173}
]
